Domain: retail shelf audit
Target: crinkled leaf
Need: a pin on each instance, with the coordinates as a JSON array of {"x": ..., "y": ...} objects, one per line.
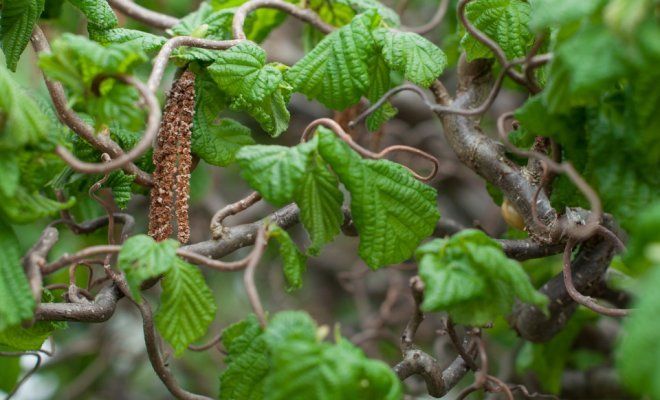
[
  {"x": 505, "y": 21},
  {"x": 392, "y": 211},
  {"x": 9, "y": 180},
  {"x": 148, "y": 42},
  {"x": 187, "y": 306},
  {"x": 336, "y": 72},
  {"x": 276, "y": 172},
  {"x": 419, "y": 60},
  {"x": 294, "y": 261},
  {"x": 98, "y": 12},
  {"x": 247, "y": 361},
  {"x": 305, "y": 368},
  {"x": 470, "y": 277},
  {"x": 120, "y": 184},
  {"x": 205, "y": 23},
  {"x": 28, "y": 206},
  {"x": 271, "y": 112},
  {"x": 18, "y": 20},
  {"x": 143, "y": 258},
  {"x": 16, "y": 301},
  {"x": 320, "y": 201},
  {"x": 381, "y": 80},
  {"x": 21, "y": 120}
]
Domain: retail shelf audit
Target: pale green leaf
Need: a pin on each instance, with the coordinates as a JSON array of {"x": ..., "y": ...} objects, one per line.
[
  {"x": 276, "y": 172},
  {"x": 336, "y": 71},
  {"x": 392, "y": 211},
  {"x": 247, "y": 361},
  {"x": 470, "y": 277},
  {"x": 10, "y": 174},
  {"x": 17, "y": 19},
  {"x": 10, "y": 371},
  {"x": 99, "y": 14},
  {"x": 19, "y": 338},
  {"x": 320, "y": 201},
  {"x": 143, "y": 258},
  {"x": 555, "y": 13},
  {"x": 30, "y": 205},
  {"x": 148, "y": 42},
  {"x": 505, "y": 21},
  {"x": 419, "y": 60},
  {"x": 271, "y": 112},
  {"x": 294, "y": 261},
  {"x": 16, "y": 301},
  {"x": 187, "y": 306}
]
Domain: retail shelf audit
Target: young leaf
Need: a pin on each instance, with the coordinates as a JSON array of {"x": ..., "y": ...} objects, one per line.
[
  {"x": 187, "y": 306},
  {"x": 19, "y": 338},
  {"x": 21, "y": 120},
  {"x": 392, "y": 211},
  {"x": 216, "y": 143},
  {"x": 320, "y": 201},
  {"x": 305, "y": 368},
  {"x": 142, "y": 258},
  {"x": 419, "y": 60},
  {"x": 469, "y": 276},
  {"x": 275, "y": 171},
  {"x": 120, "y": 184},
  {"x": 242, "y": 71},
  {"x": 147, "y": 42},
  {"x": 16, "y": 301},
  {"x": 98, "y": 12},
  {"x": 294, "y": 261},
  {"x": 255, "y": 87},
  {"x": 247, "y": 361},
  {"x": 504, "y": 21},
  {"x": 18, "y": 20},
  {"x": 28, "y": 206},
  {"x": 336, "y": 72}
]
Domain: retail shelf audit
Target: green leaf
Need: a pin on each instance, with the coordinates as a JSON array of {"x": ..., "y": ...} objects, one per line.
[
  {"x": 98, "y": 12},
  {"x": 18, "y": 338},
  {"x": 276, "y": 172},
  {"x": 242, "y": 71},
  {"x": 10, "y": 370},
  {"x": 336, "y": 71},
  {"x": 504, "y": 21},
  {"x": 255, "y": 87},
  {"x": 147, "y": 42},
  {"x": 259, "y": 23},
  {"x": 556, "y": 13},
  {"x": 644, "y": 239},
  {"x": 382, "y": 79},
  {"x": 16, "y": 301},
  {"x": 469, "y": 277},
  {"x": 204, "y": 23},
  {"x": 419, "y": 60},
  {"x": 143, "y": 258},
  {"x": 392, "y": 211},
  {"x": 187, "y": 306},
  {"x": 120, "y": 184},
  {"x": 247, "y": 361},
  {"x": 305, "y": 368},
  {"x": 28, "y": 206},
  {"x": 18, "y": 20},
  {"x": 21, "y": 120},
  {"x": 294, "y": 261},
  {"x": 320, "y": 201},
  {"x": 638, "y": 350},
  {"x": 10, "y": 174}
]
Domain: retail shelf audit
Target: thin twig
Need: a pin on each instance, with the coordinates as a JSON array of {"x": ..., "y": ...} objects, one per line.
[
  {"x": 248, "y": 276},
  {"x": 146, "y": 16},
  {"x": 203, "y": 347},
  {"x": 28, "y": 374},
  {"x": 433, "y": 23},
  {"x": 217, "y": 229}
]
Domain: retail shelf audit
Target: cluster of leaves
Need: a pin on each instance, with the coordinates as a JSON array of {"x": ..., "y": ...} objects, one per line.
[
  {"x": 391, "y": 210},
  {"x": 290, "y": 360},
  {"x": 470, "y": 278}
]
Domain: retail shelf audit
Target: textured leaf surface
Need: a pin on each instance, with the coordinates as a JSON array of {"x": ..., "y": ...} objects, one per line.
[
  {"x": 98, "y": 12},
  {"x": 469, "y": 276},
  {"x": 505, "y": 21},
  {"x": 336, "y": 71},
  {"x": 305, "y": 368},
  {"x": 16, "y": 301},
  {"x": 392, "y": 211},
  {"x": 320, "y": 201},
  {"x": 419, "y": 60},
  {"x": 187, "y": 306},
  {"x": 294, "y": 261},
  {"x": 120, "y": 184},
  {"x": 142, "y": 258},
  {"x": 27, "y": 206},
  {"x": 247, "y": 361},
  {"x": 147, "y": 42},
  {"x": 276, "y": 172},
  {"x": 18, "y": 20}
]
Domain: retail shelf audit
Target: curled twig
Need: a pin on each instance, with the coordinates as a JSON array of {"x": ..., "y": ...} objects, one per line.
[
  {"x": 248, "y": 276},
  {"x": 212, "y": 343},
  {"x": 436, "y": 20},
  {"x": 153, "y": 121},
  {"x": 28, "y": 374},
  {"x": 337, "y": 129},
  {"x": 146, "y": 16},
  {"x": 217, "y": 229}
]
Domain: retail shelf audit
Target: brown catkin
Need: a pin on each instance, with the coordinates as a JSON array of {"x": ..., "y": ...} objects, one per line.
[
  {"x": 174, "y": 134},
  {"x": 185, "y": 159}
]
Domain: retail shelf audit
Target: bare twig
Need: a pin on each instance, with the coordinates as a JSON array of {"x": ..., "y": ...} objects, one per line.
[
  {"x": 248, "y": 276},
  {"x": 28, "y": 374},
  {"x": 36, "y": 258},
  {"x": 211, "y": 343},
  {"x": 217, "y": 229},
  {"x": 433, "y": 23}
]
